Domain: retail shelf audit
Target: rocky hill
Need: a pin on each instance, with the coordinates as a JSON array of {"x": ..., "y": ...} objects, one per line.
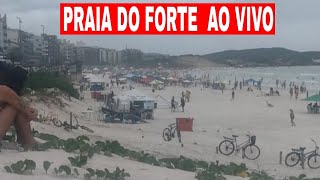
[{"x": 263, "y": 57}]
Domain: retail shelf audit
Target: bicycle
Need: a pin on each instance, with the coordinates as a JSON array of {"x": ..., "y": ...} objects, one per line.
[
  {"x": 249, "y": 149},
  {"x": 169, "y": 133},
  {"x": 298, "y": 155},
  {"x": 49, "y": 118},
  {"x": 68, "y": 127},
  {"x": 175, "y": 108}
]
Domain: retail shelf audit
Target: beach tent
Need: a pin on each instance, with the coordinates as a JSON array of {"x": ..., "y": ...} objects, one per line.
[
  {"x": 130, "y": 75},
  {"x": 172, "y": 79},
  {"x": 95, "y": 71},
  {"x": 136, "y": 97},
  {"x": 156, "y": 82},
  {"x": 315, "y": 98}
]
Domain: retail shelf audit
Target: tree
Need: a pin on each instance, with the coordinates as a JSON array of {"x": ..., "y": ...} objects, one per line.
[{"x": 15, "y": 55}]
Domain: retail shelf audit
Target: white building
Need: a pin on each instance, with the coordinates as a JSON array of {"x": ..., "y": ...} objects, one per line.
[
  {"x": 37, "y": 42},
  {"x": 13, "y": 38},
  {"x": 3, "y": 34},
  {"x": 114, "y": 56},
  {"x": 103, "y": 55},
  {"x": 67, "y": 50}
]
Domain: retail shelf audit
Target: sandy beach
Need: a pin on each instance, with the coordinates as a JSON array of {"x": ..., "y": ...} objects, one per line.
[{"x": 215, "y": 115}]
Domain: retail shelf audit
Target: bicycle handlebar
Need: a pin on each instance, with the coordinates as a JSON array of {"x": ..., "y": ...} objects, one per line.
[{"x": 315, "y": 143}]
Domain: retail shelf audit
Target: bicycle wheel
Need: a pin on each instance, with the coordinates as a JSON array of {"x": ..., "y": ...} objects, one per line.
[
  {"x": 57, "y": 122},
  {"x": 167, "y": 134},
  {"x": 87, "y": 129},
  {"x": 251, "y": 152},
  {"x": 226, "y": 147},
  {"x": 292, "y": 159},
  {"x": 314, "y": 161}
]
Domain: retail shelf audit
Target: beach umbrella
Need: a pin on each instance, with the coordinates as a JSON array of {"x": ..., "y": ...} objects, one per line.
[
  {"x": 155, "y": 82},
  {"x": 130, "y": 75},
  {"x": 172, "y": 79},
  {"x": 315, "y": 97}
]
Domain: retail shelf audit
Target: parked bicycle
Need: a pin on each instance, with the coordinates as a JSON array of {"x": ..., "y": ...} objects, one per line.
[
  {"x": 298, "y": 155},
  {"x": 48, "y": 119},
  {"x": 249, "y": 149},
  {"x": 68, "y": 126},
  {"x": 169, "y": 133}
]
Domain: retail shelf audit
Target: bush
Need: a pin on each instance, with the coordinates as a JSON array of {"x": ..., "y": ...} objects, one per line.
[{"x": 44, "y": 80}]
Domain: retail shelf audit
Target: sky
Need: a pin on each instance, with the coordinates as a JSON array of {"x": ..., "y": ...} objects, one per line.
[{"x": 297, "y": 28}]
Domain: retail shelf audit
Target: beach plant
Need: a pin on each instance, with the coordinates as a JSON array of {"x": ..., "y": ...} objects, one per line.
[
  {"x": 260, "y": 176},
  {"x": 21, "y": 166},
  {"x": 44, "y": 80},
  {"x": 46, "y": 165},
  {"x": 117, "y": 174},
  {"x": 29, "y": 165},
  {"x": 78, "y": 161},
  {"x": 65, "y": 169},
  {"x": 76, "y": 172},
  {"x": 81, "y": 144},
  {"x": 100, "y": 173}
]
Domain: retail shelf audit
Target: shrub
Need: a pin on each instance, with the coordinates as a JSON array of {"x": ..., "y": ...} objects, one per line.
[{"x": 44, "y": 80}]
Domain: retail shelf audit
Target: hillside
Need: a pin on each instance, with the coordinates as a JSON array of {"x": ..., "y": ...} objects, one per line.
[
  {"x": 263, "y": 57},
  {"x": 246, "y": 57}
]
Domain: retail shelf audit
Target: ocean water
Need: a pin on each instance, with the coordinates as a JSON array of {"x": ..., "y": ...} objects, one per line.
[{"x": 310, "y": 75}]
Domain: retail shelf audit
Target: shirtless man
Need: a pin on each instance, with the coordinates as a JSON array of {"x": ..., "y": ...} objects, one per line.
[{"x": 15, "y": 111}]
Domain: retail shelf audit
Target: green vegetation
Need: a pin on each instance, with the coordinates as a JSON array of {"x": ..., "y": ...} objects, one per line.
[
  {"x": 46, "y": 166},
  {"x": 21, "y": 167},
  {"x": 263, "y": 56},
  {"x": 44, "y": 80},
  {"x": 106, "y": 174},
  {"x": 203, "y": 170}
]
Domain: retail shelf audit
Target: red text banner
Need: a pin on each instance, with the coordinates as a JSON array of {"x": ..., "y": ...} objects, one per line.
[{"x": 167, "y": 18}]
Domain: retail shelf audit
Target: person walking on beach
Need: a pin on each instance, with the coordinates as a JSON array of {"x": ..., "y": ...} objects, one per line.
[
  {"x": 291, "y": 92},
  {"x": 173, "y": 104},
  {"x": 292, "y": 118},
  {"x": 233, "y": 93},
  {"x": 182, "y": 104}
]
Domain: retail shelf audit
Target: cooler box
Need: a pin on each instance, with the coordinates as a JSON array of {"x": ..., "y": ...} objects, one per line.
[{"x": 184, "y": 124}]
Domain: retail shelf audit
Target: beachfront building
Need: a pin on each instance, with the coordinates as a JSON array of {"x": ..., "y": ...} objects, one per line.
[
  {"x": 114, "y": 57},
  {"x": 21, "y": 40},
  {"x": 52, "y": 49},
  {"x": 132, "y": 55},
  {"x": 67, "y": 51},
  {"x": 3, "y": 34},
  {"x": 88, "y": 55}
]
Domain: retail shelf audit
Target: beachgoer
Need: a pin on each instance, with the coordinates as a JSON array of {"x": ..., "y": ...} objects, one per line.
[
  {"x": 13, "y": 109},
  {"x": 182, "y": 104},
  {"x": 233, "y": 93},
  {"x": 173, "y": 105},
  {"x": 291, "y": 92},
  {"x": 292, "y": 118}
]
